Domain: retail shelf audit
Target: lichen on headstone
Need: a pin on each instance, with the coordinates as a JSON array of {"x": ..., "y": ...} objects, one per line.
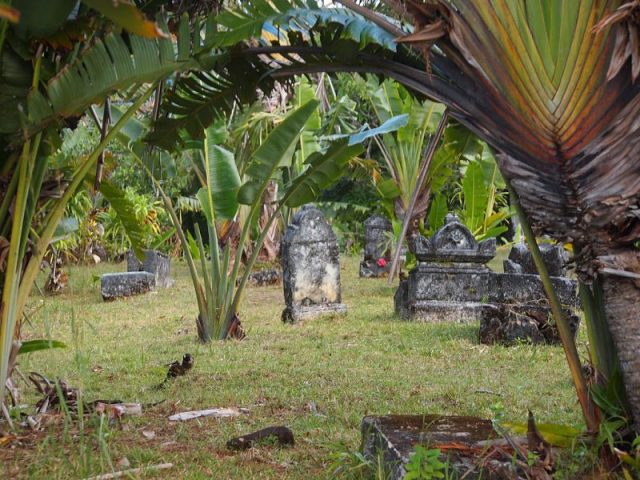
[{"x": 310, "y": 267}]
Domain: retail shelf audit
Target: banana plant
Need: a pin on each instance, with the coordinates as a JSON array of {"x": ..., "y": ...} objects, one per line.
[
  {"x": 220, "y": 282},
  {"x": 483, "y": 207}
]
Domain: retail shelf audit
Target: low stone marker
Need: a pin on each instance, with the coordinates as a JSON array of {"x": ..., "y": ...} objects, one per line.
[
  {"x": 519, "y": 308},
  {"x": 451, "y": 281},
  {"x": 521, "y": 261},
  {"x": 377, "y": 255},
  {"x": 265, "y": 278},
  {"x": 125, "y": 284},
  {"x": 156, "y": 263},
  {"x": 467, "y": 444},
  {"x": 310, "y": 267}
]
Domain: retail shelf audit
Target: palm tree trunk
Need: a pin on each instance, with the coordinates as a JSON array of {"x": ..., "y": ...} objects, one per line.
[{"x": 622, "y": 307}]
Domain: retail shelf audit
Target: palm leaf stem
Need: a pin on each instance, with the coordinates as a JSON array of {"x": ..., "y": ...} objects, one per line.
[
  {"x": 604, "y": 357},
  {"x": 589, "y": 409},
  {"x": 9, "y": 311},
  {"x": 422, "y": 175},
  {"x": 193, "y": 271}
]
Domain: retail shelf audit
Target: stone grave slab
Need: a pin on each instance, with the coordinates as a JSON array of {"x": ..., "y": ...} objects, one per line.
[
  {"x": 519, "y": 308},
  {"x": 126, "y": 284},
  {"x": 393, "y": 437},
  {"x": 450, "y": 282}
]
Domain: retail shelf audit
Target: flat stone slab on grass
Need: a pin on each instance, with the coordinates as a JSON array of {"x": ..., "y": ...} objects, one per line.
[
  {"x": 460, "y": 439},
  {"x": 266, "y": 277},
  {"x": 126, "y": 284}
]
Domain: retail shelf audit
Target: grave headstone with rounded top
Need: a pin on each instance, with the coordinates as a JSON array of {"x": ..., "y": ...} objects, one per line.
[
  {"x": 377, "y": 254},
  {"x": 310, "y": 267}
]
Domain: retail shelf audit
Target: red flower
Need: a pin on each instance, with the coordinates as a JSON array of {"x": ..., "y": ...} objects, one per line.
[{"x": 382, "y": 262}]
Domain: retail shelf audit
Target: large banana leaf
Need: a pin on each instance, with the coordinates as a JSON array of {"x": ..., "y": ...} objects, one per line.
[
  {"x": 322, "y": 169},
  {"x": 274, "y": 151},
  {"x": 219, "y": 199},
  {"x": 249, "y": 20},
  {"x": 125, "y": 211},
  {"x": 201, "y": 97},
  {"x": 112, "y": 63}
]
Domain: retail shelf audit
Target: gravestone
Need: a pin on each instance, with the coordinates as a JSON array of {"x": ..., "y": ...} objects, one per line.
[
  {"x": 310, "y": 267},
  {"x": 519, "y": 308},
  {"x": 156, "y": 263},
  {"x": 521, "y": 261},
  {"x": 467, "y": 444},
  {"x": 377, "y": 255},
  {"x": 126, "y": 284},
  {"x": 450, "y": 282},
  {"x": 264, "y": 278}
]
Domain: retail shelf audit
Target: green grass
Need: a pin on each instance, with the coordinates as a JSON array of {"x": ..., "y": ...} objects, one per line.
[{"x": 366, "y": 363}]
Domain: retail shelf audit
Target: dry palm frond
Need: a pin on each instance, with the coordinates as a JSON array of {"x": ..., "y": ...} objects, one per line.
[
  {"x": 432, "y": 22},
  {"x": 626, "y": 24}
]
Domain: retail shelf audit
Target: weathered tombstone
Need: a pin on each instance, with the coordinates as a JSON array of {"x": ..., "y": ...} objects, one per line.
[
  {"x": 377, "y": 255},
  {"x": 156, "y": 263},
  {"x": 521, "y": 261},
  {"x": 264, "y": 278},
  {"x": 310, "y": 267},
  {"x": 450, "y": 282},
  {"x": 125, "y": 284},
  {"x": 519, "y": 308},
  {"x": 392, "y": 439}
]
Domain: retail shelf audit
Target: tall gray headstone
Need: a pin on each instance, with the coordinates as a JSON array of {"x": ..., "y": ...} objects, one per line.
[
  {"x": 377, "y": 254},
  {"x": 310, "y": 267},
  {"x": 156, "y": 263}
]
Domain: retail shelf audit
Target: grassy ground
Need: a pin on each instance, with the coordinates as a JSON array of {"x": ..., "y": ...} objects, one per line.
[{"x": 319, "y": 378}]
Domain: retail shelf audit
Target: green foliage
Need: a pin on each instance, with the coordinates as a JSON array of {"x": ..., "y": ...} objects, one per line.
[
  {"x": 223, "y": 180},
  {"x": 276, "y": 150},
  {"x": 250, "y": 19},
  {"x": 479, "y": 197},
  {"x": 220, "y": 285},
  {"x": 346, "y": 464},
  {"x": 29, "y": 346},
  {"x": 425, "y": 464},
  {"x": 127, "y": 215}
]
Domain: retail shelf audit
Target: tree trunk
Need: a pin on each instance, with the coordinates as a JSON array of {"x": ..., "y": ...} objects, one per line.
[{"x": 622, "y": 307}]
